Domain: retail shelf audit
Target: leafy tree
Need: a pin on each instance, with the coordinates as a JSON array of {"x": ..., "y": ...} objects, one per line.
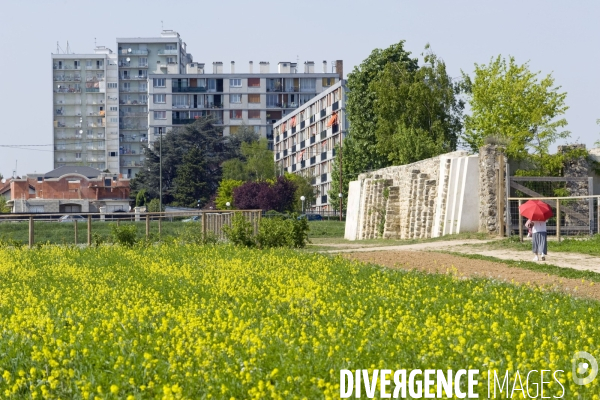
[
  {"x": 4, "y": 208},
  {"x": 276, "y": 195},
  {"x": 189, "y": 185},
  {"x": 204, "y": 136},
  {"x": 255, "y": 163},
  {"x": 225, "y": 193},
  {"x": 418, "y": 112},
  {"x": 245, "y": 134},
  {"x": 140, "y": 198},
  {"x": 510, "y": 101},
  {"x": 154, "y": 206},
  {"x": 303, "y": 188},
  {"x": 360, "y": 106}
]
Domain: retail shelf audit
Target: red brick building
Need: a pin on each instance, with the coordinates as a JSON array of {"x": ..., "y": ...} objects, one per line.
[{"x": 69, "y": 189}]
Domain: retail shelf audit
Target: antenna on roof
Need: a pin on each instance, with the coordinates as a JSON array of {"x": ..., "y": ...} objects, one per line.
[
  {"x": 161, "y": 25},
  {"x": 94, "y": 42},
  {"x": 68, "y": 49},
  {"x": 15, "y": 170}
]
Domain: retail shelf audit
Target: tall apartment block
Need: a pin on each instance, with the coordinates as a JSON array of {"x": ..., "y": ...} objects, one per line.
[
  {"x": 256, "y": 99},
  {"x": 100, "y": 101},
  {"x": 305, "y": 140},
  {"x": 107, "y": 105}
]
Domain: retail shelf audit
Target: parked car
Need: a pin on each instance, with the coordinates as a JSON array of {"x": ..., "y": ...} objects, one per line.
[
  {"x": 312, "y": 217},
  {"x": 71, "y": 218},
  {"x": 195, "y": 218}
]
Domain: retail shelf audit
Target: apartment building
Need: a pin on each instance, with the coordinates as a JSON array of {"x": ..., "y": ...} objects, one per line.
[
  {"x": 100, "y": 101},
  {"x": 305, "y": 140},
  {"x": 256, "y": 99}
]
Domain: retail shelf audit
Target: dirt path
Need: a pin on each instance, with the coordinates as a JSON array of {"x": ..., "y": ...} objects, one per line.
[
  {"x": 447, "y": 263},
  {"x": 566, "y": 260}
]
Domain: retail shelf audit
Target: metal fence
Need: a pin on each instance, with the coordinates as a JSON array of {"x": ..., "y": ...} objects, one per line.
[
  {"x": 573, "y": 216},
  {"x": 83, "y": 224}
]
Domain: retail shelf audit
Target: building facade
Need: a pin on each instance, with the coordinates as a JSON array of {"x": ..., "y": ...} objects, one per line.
[
  {"x": 100, "y": 101},
  {"x": 68, "y": 190},
  {"x": 306, "y": 138},
  {"x": 256, "y": 99},
  {"x": 107, "y": 105}
]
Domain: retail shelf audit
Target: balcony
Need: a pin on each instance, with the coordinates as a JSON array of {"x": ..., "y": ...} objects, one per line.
[
  {"x": 133, "y": 77},
  {"x": 133, "y": 114},
  {"x": 67, "y": 90},
  {"x": 134, "y": 52},
  {"x": 189, "y": 89},
  {"x": 167, "y": 52},
  {"x": 67, "y": 78},
  {"x": 92, "y": 90},
  {"x": 132, "y": 139},
  {"x": 183, "y": 121},
  {"x": 128, "y": 163}
]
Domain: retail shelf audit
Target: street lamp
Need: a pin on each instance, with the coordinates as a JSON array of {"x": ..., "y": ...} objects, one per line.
[
  {"x": 341, "y": 212},
  {"x": 198, "y": 204},
  {"x": 228, "y": 204},
  {"x": 302, "y": 198}
]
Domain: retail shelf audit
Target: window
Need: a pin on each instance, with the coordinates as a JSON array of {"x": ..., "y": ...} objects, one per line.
[
  {"x": 254, "y": 98},
  {"x": 328, "y": 81},
  {"x": 114, "y": 108},
  {"x": 180, "y": 101},
  {"x": 171, "y": 60},
  {"x": 126, "y": 86},
  {"x": 254, "y": 114},
  {"x": 114, "y": 119},
  {"x": 99, "y": 64},
  {"x": 36, "y": 209},
  {"x": 307, "y": 84},
  {"x": 170, "y": 47},
  {"x": 143, "y": 62},
  {"x": 160, "y": 115},
  {"x": 158, "y": 130},
  {"x": 253, "y": 82},
  {"x": 75, "y": 64},
  {"x": 235, "y": 83},
  {"x": 88, "y": 63},
  {"x": 271, "y": 100},
  {"x": 235, "y": 114},
  {"x": 78, "y": 156},
  {"x": 160, "y": 98},
  {"x": 113, "y": 85},
  {"x": 235, "y": 98},
  {"x": 159, "y": 82},
  {"x": 112, "y": 154}
]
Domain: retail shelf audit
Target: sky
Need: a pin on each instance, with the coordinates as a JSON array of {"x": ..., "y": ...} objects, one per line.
[{"x": 557, "y": 37}]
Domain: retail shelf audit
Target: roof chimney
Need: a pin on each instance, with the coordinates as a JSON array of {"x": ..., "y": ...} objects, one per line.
[
  {"x": 339, "y": 68},
  {"x": 283, "y": 67},
  {"x": 264, "y": 67},
  {"x": 217, "y": 67},
  {"x": 309, "y": 67},
  {"x": 233, "y": 67},
  {"x": 324, "y": 66},
  {"x": 251, "y": 67}
]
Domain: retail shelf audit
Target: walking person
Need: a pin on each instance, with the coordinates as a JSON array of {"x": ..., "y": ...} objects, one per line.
[
  {"x": 539, "y": 239},
  {"x": 537, "y": 213}
]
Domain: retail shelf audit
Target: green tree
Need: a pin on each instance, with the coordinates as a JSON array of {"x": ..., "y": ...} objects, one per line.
[
  {"x": 189, "y": 185},
  {"x": 510, "y": 101},
  {"x": 225, "y": 193},
  {"x": 419, "y": 112},
  {"x": 254, "y": 164},
  {"x": 360, "y": 107},
  {"x": 4, "y": 208},
  {"x": 140, "y": 198},
  {"x": 303, "y": 188},
  {"x": 204, "y": 136}
]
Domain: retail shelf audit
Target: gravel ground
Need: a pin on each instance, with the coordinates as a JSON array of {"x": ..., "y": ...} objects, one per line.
[{"x": 433, "y": 262}]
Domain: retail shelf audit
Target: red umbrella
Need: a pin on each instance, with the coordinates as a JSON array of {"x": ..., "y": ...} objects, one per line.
[{"x": 536, "y": 210}]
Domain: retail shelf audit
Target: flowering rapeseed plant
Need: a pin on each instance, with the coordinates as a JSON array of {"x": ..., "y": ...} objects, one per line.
[{"x": 222, "y": 322}]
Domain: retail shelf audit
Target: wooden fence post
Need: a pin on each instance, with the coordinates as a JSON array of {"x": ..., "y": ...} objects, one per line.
[
  {"x": 598, "y": 214},
  {"x": 203, "y": 224},
  {"x": 159, "y": 224},
  {"x": 75, "y": 225},
  {"x": 31, "y": 233},
  {"x": 520, "y": 222},
  {"x": 558, "y": 219},
  {"x": 500, "y": 195},
  {"x": 147, "y": 226},
  {"x": 89, "y": 230}
]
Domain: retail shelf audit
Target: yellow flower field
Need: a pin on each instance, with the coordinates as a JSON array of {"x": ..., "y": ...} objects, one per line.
[{"x": 222, "y": 322}]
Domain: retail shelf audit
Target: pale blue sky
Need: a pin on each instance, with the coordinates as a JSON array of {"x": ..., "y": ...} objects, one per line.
[{"x": 557, "y": 37}]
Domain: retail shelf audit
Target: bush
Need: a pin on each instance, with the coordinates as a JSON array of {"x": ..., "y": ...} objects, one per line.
[
  {"x": 241, "y": 232},
  {"x": 192, "y": 233},
  {"x": 125, "y": 235},
  {"x": 272, "y": 232}
]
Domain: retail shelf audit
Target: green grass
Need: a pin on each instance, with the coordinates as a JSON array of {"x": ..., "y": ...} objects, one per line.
[
  {"x": 584, "y": 245},
  {"x": 64, "y": 233},
  {"x": 537, "y": 267},
  {"x": 331, "y": 229}
]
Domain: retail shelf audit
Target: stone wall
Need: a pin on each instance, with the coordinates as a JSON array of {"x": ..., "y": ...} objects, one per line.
[{"x": 488, "y": 188}]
